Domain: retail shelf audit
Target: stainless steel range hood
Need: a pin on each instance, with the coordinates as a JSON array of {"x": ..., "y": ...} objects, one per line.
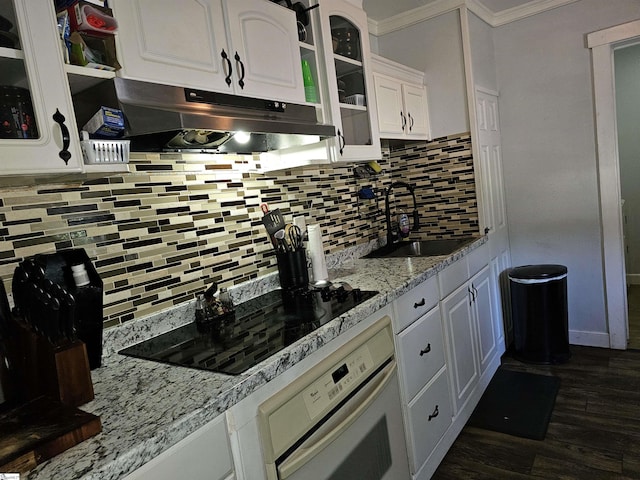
[{"x": 169, "y": 118}]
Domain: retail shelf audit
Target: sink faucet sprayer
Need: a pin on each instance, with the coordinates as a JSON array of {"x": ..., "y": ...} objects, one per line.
[{"x": 392, "y": 236}]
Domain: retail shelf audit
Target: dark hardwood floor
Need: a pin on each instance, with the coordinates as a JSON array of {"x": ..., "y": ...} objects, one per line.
[
  {"x": 594, "y": 433},
  {"x": 633, "y": 305}
]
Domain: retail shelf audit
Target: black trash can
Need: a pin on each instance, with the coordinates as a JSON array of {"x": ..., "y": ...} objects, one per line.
[{"x": 539, "y": 313}]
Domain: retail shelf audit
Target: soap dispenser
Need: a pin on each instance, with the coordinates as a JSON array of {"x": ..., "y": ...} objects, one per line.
[{"x": 403, "y": 225}]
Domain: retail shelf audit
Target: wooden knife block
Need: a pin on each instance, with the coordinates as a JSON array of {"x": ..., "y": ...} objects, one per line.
[{"x": 60, "y": 372}]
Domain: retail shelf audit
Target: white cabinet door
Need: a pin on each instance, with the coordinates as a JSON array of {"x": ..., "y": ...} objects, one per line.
[
  {"x": 247, "y": 48},
  {"x": 179, "y": 43},
  {"x": 36, "y": 66},
  {"x": 415, "y": 104},
  {"x": 391, "y": 114},
  {"x": 355, "y": 115},
  {"x": 458, "y": 326},
  {"x": 483, "y": 295},
  {"x": 266, "y": 56},
  {"x": 203, "y": 455}
]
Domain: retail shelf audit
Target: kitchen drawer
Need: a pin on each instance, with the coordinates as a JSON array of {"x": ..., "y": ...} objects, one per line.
[
  {"x": 478, "y": 259},
  {"x": 430, "y": 416},
  {"x": 453, "y": 276},
  {"x": 421, "y": 352},
  {"x": 415, "y": 303}
]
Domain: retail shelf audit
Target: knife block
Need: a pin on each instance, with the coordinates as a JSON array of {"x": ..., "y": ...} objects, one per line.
[{"x": 60, "y": 372}]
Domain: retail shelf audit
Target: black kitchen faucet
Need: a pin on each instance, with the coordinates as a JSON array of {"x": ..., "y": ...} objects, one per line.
[{"x": 392, "y": 236}]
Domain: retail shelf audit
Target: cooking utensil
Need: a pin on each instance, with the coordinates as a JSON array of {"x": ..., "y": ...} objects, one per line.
[
  {"x": 294, "y": 236},
  {"x": 272, "y": 220},
  {"x": 281, "y": 241}
]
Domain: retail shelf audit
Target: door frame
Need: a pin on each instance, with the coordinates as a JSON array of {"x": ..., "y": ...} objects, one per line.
[{"x": 602, "y": 44}]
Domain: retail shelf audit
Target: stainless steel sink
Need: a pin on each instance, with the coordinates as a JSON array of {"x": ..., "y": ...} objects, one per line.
[{"x": 422, "y": 248}]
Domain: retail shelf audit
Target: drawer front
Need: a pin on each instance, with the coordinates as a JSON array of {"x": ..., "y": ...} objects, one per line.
[
  {"x": 415, "y": 303},
  {"x": 421, "y": 352},
  {"x": 478, "y": 259},
  {"x": 430, "y": 416},
  {"x": 453, "y": 276}
]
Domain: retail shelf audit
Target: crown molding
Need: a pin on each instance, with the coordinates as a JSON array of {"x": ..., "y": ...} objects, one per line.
[
  {"x": 438, "y": 7},
  {"x": 413, "y": 16},
  {"x": 527, "y": 10}
]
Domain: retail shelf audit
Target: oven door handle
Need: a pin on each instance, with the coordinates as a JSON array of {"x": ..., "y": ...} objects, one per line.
[{"x": 307, "y": 451}]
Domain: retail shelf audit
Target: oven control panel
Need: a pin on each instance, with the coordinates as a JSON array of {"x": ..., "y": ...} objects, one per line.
[{"x": 333, "y": 386}]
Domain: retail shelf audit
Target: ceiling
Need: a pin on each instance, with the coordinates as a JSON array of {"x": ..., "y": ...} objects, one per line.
[{"x": 379, "y": 10}]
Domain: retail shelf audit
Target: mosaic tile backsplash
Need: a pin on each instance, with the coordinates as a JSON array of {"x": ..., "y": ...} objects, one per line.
[{"x": 163, "y": 232}]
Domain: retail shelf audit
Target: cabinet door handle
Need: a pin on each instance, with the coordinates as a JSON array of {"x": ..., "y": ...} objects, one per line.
[
  {"x": 427, "y": 349},
  {"x": 341, "y": 141},
  {"x": 421, "y": 303},
  {"x": 225, "y": 58},
  {"x": 404, "y": 120},
  {"x": 435, "y": 413},
  {"x": 410, "y": 121},
  {"x": 472, "y": 295},
  {"x": 66, "y": 139},
  {"x": 238, "y": 61}
]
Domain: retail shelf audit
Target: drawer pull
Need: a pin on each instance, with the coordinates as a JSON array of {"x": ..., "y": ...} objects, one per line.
[
  {"x": 435, "y": 413},
  {"x": 426, "y": 350},
  {"x": 421, "y": 303}
]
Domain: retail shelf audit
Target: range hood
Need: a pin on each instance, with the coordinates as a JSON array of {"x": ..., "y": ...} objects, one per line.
[{"x": 169, "y": 118}]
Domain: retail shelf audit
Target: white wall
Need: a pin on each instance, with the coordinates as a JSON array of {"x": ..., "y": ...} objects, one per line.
[
  {"x": 435, "y": 47},
  {"x": 546, "y": 104},
  {"x": 627, "y": 75},
  {"x": 483, "y": 59}
]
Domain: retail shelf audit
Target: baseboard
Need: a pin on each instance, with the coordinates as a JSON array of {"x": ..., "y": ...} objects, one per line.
[
  {"x": 633, "y": 278},
  {"x": 589, "y": 339}
]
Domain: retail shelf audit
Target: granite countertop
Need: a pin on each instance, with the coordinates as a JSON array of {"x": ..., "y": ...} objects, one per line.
[{"x": 145, "y": 406}]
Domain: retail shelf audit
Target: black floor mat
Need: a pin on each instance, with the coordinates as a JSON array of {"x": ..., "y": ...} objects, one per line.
[{"x": 517, "y": 403}]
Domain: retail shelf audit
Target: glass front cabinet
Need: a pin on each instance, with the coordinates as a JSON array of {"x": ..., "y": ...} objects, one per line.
[
  {"x": 37, "y": 124},
  {"x": 349, "y": 89}
]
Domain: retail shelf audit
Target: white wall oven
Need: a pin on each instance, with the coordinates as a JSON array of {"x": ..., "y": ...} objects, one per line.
[{"x": 342, "y": 419}]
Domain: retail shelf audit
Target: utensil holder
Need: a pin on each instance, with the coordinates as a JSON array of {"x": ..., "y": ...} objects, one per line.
[{"x": 292, "y": 269}]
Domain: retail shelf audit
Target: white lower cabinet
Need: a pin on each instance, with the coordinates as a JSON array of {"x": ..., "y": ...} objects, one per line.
[
  {"x": 203, "y": 455},
  {"x": 461, "y": 348},
  {"x": 429, "y": 415},
  {"x": 469, "y": 320},
  {"x": 423, "y": 376}
]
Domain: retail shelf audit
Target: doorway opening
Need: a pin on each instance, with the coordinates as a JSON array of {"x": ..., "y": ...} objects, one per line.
[
  {"x": 626, "y": 61},
  {"x": 603, "y": 44}
]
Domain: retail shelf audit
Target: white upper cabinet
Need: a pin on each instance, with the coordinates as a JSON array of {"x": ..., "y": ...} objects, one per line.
[
  {"x": 349, "y": 88},
  {"x": 35, "y": 95},
  {"x": 401, "y": 98},
  {"x": 247, "y": 47}
]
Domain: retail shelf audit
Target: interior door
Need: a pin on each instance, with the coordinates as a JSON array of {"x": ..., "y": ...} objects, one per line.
[{"x": 493, "y": 199}]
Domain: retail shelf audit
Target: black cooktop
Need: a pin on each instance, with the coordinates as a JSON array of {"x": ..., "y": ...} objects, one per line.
[{"x": 256, "y": 330}]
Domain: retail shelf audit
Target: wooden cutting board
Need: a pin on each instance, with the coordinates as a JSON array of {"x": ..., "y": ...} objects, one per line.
[{"x": 40, "y": 429}]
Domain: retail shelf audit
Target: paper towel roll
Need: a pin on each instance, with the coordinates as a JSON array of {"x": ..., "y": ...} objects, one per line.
[{"x": 316, "y": 253}]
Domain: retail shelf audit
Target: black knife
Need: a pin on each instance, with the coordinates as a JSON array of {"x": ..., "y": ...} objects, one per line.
[
  {"x": 67, "y": 316},
  {"x": 54, "y": 320},
  {"x": 19, "y": 289}
]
